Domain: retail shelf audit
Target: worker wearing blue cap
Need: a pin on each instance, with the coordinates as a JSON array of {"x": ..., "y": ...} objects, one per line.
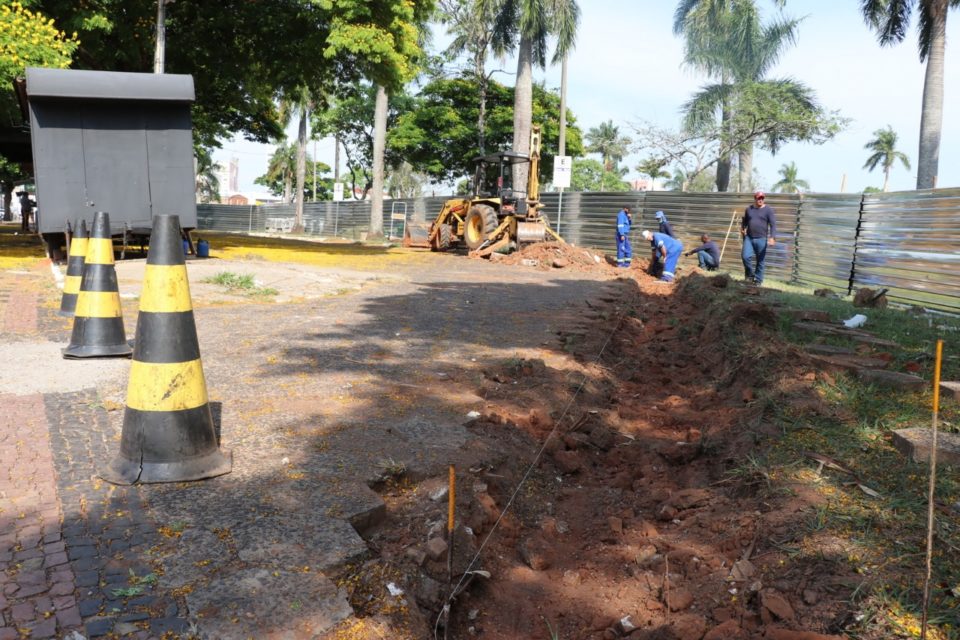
[{"x": 664, "y": 224}]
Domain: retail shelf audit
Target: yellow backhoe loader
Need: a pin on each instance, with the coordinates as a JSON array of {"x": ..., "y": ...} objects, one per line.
[{"x": 496, "y": 218}]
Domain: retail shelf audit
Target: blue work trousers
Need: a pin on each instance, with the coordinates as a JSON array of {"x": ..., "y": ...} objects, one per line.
[
  {"x": 706, "y": 261},
  {"x": 624, "y": 251},
  {"x": 670, "y": 264},
  {"x": 754, "y": 249}
]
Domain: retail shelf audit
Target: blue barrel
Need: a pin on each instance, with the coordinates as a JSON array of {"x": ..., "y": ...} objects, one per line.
[
  {"x": 203, "y": 249},
  {"x": 186, "y": 247}
]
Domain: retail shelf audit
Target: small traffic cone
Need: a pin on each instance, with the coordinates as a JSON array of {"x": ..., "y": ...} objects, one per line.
[
  {"x": 98, "y": 320},
  {"x": 168, "y": 431},
  {"x": 75, "y": 261}
]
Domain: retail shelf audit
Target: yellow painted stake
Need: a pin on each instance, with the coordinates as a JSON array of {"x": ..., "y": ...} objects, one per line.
[
  {"x": 930, "y": 491},
  {"x": 726, "y": 237},
  {"x": 451, "y": 508}
]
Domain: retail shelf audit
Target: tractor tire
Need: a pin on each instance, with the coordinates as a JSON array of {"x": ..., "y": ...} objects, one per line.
[
  {"x": 478, "y": 225},
  {"x": 444, "y": 238}
]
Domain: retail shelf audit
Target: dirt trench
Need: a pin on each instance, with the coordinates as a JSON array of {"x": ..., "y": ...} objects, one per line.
[{"x": 641, "y": 515}]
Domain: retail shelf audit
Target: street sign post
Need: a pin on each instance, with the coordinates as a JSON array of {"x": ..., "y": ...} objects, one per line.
[
  {"x": 562, "y": 169},
  {"x": 337, "y": 191}
]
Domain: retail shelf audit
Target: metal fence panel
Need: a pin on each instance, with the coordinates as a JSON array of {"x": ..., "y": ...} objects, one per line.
[
  {"x": 826, "y": 239},
  {"x": 910, "y": 242}
]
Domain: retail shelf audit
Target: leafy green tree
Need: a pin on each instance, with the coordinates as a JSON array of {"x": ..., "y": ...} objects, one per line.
[
  {"x": 588, "y": 174},
  {"x": 351, "y": 116},
  {"x": 653, "y": 168},
  {"x": 298, "y": 102},
  {"x": 437, "y": 132},
  {"x": 207, "y": 182},
  {"x": 726, "y": 40},
  {"x": 885, "y": 153},
  {"x": 525, "y": 26},
  {"x": 404, "y": 182},
  {"x": 606, "y": 140},
  {"x": 242, "y": 53},
  {"x": 281, "y": 175},
  {"x": 891, "y": 19},
  {"x": 789, "y": 182},
  {"x": 471, "y": 24}
]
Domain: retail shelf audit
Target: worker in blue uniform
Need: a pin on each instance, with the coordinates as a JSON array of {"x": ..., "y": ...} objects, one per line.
[
  {"x": 667, "y": 251},
  {"x": 624, "y": 250},
  {"x": 665, "y": 226}
]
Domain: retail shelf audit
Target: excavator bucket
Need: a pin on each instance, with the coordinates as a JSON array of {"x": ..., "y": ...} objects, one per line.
[{"x": 417, "y": 234}]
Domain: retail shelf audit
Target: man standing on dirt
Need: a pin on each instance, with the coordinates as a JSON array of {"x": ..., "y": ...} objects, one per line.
[
  {"x": 759, "y": 229},
  {"x": 666, "y": 250},
  {"x": 665, "y": 226},
  {"x": 624, "y": 250},
  {"x": 707, "y": 253}
]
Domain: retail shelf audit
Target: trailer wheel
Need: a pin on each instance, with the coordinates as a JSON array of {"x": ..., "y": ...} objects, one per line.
[
  {"x": 479, "y": 223},
  {"x": 443, "y": 238}
]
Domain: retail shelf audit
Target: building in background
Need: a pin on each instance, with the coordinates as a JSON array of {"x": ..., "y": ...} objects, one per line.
[{"x": 227, "y": 176}]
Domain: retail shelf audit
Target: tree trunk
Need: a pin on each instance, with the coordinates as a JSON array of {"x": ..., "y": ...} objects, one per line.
[
  {"x": 886, "y": 178},
  {"x": 336, "y": 158},
  {"x": 287, "y": 187},
  {"x": 745, "y": 162},
  {"x": 723, "y": 164},
  {"x": 301, "y": 169},
  {"x": 7, "y": 190},
  {"x": 379, "y": 143},
  {"x": 931, "y": 118},
  {"x": 563, "y": 107},
  {"x": 523, "y": 110}
]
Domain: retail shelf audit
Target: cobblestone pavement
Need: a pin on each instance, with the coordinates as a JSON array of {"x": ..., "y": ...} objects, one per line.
[
  {"x": 38, "y": 591},
  {"x": 318, "y": 401}
]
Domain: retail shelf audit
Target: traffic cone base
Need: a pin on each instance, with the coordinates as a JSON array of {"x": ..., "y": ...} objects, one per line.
[
  {"x": 98, "y": 330},
  {"x": 75, "y": 262},
  {"x": 168, "y": 431},
  {"x": 162, "y": 446}
]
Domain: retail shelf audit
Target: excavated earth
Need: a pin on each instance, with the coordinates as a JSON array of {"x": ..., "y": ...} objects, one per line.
[{"x": 605, "y": 495}]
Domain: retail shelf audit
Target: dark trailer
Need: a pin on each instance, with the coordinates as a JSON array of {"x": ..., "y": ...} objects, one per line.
[{"x": 108, "y": 141}]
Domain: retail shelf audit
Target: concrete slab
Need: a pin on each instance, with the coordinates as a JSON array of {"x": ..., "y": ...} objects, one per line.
[
  {"x": 828, "y": 350},
  {"x": 950, "y": 390},
  {"x": 892, "y": 379},
  {"x": 298, "y": 540},
  {"x": 265, "y": 603},
  {"x": 848, "y": 362},
  {"x": 917, "y": 443}
]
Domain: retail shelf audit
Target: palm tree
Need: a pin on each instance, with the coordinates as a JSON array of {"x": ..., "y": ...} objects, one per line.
[
  {"x": 789, "y": 182},
  {"x": 607, "y": 141},
  {"x": 471, "y": 23},
  {"x": 726, "y": 40},
  {"x": 526, "y": 25},
  {"x": 282, "y": 167},
  {"x": 379, "y": 149},
  {"x": 207, "y": 183},
  {"x": 890, "y": 20},
  {"x": 884, "y": 147},
  {"x": 298, "y": 102}
]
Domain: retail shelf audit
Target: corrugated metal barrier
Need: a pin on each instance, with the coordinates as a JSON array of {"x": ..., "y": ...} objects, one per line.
[{"x": 908, "y": 242}]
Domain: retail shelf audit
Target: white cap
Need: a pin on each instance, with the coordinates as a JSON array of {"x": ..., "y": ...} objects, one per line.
[{"x": 646, "y": 234}]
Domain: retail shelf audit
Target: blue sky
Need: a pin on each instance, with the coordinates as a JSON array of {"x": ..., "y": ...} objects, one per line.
[{"x": 627, "y": 67}]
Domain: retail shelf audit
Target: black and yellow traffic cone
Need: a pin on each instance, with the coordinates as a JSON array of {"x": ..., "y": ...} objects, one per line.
[
  {"x": 168, "y": 431},
  {"x": 98, "y": 320},
  {"x": 75, "y": 261}
]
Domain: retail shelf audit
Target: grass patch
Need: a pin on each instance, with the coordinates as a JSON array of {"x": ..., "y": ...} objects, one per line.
[
  {"x": 241, "y": 283},
  {"x": 883, "y": 537}
]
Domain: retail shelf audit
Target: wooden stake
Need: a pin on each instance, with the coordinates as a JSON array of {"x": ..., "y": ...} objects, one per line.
[
  {"x": 722, "y": 249},
  {"x": 451, "y": 508},
  {"x": 930, "y": 491}
]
